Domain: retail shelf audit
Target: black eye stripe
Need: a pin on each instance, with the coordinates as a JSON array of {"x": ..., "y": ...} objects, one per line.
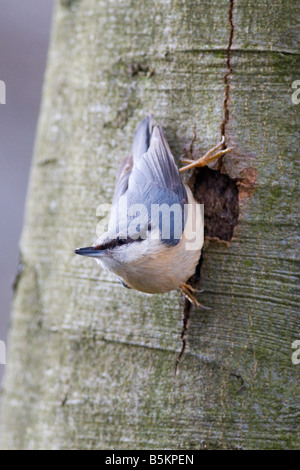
[{"x": 110, "y": 244}]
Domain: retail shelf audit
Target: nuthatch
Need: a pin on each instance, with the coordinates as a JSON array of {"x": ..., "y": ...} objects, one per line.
[{"x": 160, "y": 252}]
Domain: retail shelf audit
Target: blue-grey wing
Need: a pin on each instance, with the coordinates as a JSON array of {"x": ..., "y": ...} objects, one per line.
[
  {"x": 155, "y": 180},
  {"x": 157, "y": 167},
  {"x": 151, "y": 178},
  {"x": 153, "y": 163}
]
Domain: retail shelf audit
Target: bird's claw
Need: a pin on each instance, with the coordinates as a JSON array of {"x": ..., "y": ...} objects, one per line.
[
  {"x": 209, "y": 157},
  {"x": 188, "y": 292}
]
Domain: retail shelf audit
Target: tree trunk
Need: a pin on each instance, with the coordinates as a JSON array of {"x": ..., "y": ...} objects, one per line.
[{"x": 91, "y": 364}]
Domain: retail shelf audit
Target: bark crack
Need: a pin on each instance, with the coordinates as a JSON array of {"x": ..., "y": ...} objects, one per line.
[
  {"x": 193, "y": 281},
  {"x": 185, "y": 320},
  {"x": 228, "y": 73}
]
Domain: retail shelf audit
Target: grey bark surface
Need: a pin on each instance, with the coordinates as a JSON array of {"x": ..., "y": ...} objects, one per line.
[{"x": 91, "y": 364}]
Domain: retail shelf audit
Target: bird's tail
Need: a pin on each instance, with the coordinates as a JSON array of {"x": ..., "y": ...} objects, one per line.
[{"x": 142, "y": 137}]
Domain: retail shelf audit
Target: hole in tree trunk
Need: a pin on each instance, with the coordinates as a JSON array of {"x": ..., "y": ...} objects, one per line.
[{"x": 219, "y": 194}]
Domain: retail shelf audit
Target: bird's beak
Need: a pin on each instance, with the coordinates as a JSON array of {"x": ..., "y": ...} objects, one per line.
[{"x": 90, "y": 251}]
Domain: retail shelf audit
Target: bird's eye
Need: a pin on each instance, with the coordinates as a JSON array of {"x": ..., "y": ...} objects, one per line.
[{"x": 121, "y": 241}]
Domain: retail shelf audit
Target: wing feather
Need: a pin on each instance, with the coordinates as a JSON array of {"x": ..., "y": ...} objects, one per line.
[{"x": 151, "y": 176}]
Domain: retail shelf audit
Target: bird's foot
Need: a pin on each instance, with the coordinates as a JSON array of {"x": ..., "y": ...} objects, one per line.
[
  {"x": 188, "y": 292},
  {"x": 210, "y": 156}
]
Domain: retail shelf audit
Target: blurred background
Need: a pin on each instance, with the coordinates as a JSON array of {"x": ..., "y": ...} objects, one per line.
[{"x": 24, "y": 35}]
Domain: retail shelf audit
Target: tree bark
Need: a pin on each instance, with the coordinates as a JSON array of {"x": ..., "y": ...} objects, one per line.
[{"x": 91, "y": 364}]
